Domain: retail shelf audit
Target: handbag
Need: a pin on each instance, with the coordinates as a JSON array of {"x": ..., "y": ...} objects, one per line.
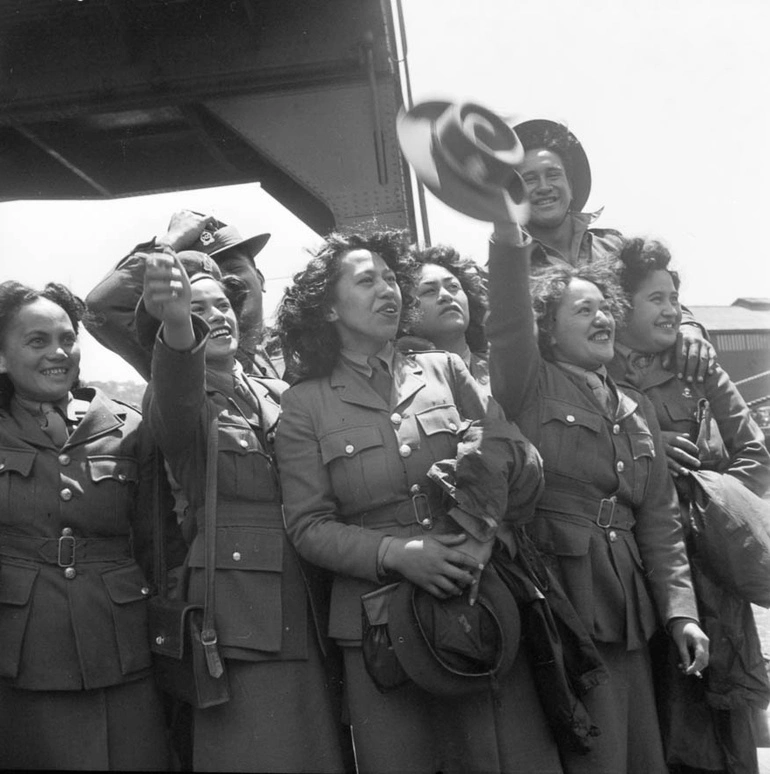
[
  {"x": 380, "y": 658},
  {"x": 183, "y": 638}
]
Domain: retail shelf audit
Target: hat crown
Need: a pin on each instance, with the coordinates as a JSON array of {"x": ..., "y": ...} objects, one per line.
[{"x": 478, "y": 145}]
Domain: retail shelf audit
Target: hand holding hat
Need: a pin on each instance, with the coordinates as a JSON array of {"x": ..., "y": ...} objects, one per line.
[{"x": 467, "y": 156}]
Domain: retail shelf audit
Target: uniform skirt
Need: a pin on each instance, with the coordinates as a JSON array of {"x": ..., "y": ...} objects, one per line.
[{"x": 116, "y": 728}]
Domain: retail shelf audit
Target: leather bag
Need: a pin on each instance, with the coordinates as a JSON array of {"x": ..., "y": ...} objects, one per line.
[{"x": 183, "y": 637}]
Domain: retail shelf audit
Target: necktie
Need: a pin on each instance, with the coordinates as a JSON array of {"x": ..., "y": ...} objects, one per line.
[
  {"x": 55, "y": 427},
  {"x": 600, "y": 390},
  {"x": 380, "y": 379}
]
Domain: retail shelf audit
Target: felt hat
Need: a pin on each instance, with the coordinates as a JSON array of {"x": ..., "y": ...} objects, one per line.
[
  {"x": 220, "y": 241},
  {"x": 555, "y": 136},
  {"x": 466, "y": 156},
  {"x": 449, "y": 647}
]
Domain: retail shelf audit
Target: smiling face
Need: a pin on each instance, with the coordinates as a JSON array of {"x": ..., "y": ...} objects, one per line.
[
  {"x": 210, "y": 302},
  {"x": 366, "y": 306},
  {"x": 443, "y": 313},
  {"x": 242, "y": 266},
  {"x": 653, "y": 323},
  {"x": 548, "y": 190},
  {"x": 40, "y": 352},
  {"x": 584, "y": 329}
]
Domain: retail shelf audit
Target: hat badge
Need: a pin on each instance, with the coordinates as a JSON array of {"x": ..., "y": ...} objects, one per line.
[{"x": 206, "y": 237}]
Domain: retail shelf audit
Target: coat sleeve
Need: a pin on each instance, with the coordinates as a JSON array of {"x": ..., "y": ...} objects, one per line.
[
  {"x": 112, "y": 307},
  {"x": 744, "y": 440},
  {"x": 660, "y": 535},
  {"x": 515, "y": 359},
  {"x": 310, "y": 506}
]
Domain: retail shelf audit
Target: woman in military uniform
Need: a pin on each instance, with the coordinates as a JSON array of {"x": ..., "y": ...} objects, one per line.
[{"x": 76, "y": 690}]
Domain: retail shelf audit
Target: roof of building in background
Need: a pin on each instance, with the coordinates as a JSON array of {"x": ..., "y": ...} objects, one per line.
[{"x": 745, "y": 314}]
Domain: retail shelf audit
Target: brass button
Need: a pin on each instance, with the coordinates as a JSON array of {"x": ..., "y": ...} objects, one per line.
[
  {"x": 405, "y": 450},
  {"x": 243, "y": 443},
  {"x": 64, "y": 459},
  {"x": 414, "y": 489},
  {"x": 145, "y": 591},
  {"x": 67, "y": 532},
  {"x": 236, "y": 556},
  {"x": 570, "y": 418},
  {"x": 70, "y": 573},
  {"x": 66, "y": 494},
  {"x": 612, "y": 535},
  {"x": 349, "y": 449},
  {"x": 452, "y": 426},
  {"x": 615, "y": 429},
  {"x": 426, "y": 523},
  {"x": 2, "y": 466},
  {"x": 160, "y": 639},
  {"x": 270, "y": 437},
  {"x": 122, "y": 477},
  {"x": 396, "y": 418},
  {"x": 620, "y": 466}
]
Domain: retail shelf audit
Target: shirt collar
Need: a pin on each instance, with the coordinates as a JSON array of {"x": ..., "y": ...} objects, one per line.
[
  {"x": 35, "y": 407},
  {"x": 359, "y": 362},
  {"x": 580, "y": 224}
]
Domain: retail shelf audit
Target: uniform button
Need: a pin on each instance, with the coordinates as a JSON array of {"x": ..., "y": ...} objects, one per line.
[
  {"x": 70, "y": 573},
  {"x": 2, "y": 466},
  {"x": 122, "y": 477},
  {"x": 243, "y": 443},
  {"x": 349, "y": 449},
  {"x": 570, "y": 418},
  {"x": 620, "y": 466},
  {"x": 414, "y": 489},
  {"x": 405, "y": 450},
  {"x": 612, "y": 535},
  {"x": 236, "y": 556},
  {"x": 270, "y": 437},
  {"x": 615, "y": 429},
  {"x": 66, "y": 532},
  {"x": 145, "y": 591},
  {"x": 64, "y": 459},
  {"x": 426, "y": 523},
  {"x": 396, "y": 418},
  {"x": 66, "y": 494},
  {"x": 452, "y": 426},
  {"x": 160, "y": 639}
]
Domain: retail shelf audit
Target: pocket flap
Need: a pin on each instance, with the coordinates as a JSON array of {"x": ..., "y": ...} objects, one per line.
[
  {"x": 441, "y": 419},
  {"x": 571, "y": 416},
  {"x": 122, "y": 469},
  {"x": 16, "y": 584},
  {"x": 681, "y": 411},
  {"x": 167, "y": 620},
  {"x": 237, "y": 438},
  {"x": 17, "y": 460},
  {"x": 349, "y": 442},
  {"x": 560, "y": 538},
  {"x": 126, "y": 584},
  {"x": 242, "y": 548}
]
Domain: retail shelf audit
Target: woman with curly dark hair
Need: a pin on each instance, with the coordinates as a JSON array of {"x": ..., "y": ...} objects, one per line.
[
  {"x": 608, "y": 522},
  {"x": 451, "y": 308},
  {"x": 707, "y": 723},
  {"x": 76, "y": 690},
  {"x": 356, "y": 440}
]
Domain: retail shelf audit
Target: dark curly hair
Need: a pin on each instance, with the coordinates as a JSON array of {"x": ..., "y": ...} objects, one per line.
[
  {"x": 14, "y": 296},
  {"x": 473, "y": 283},
  {"x": 547, "y": 289},
  {"x": 552, "y": 137},
  {"x": 637, "y": 259},
  {"x": 310, "y": 342}
]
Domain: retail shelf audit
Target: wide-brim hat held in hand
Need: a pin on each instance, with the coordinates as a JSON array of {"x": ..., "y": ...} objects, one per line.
[
  {"x": 466, "y": 156},
  {"x": 221, "y": 242}
]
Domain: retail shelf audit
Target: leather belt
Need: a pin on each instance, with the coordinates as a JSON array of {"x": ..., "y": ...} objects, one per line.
[
  {"x": 64, "y": 551},
  {"x": 605, "y": 512}
]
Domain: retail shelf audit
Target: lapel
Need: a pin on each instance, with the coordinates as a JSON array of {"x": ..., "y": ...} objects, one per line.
[
  {"x": 352, "y": 387},
  {"x": 626, "y": 404},
  {"x": 408, "y": 378},
  {"x": 268, "y": 405},
  {"x": 27, "y": 428},
  {"x": 103, "y": 416}
]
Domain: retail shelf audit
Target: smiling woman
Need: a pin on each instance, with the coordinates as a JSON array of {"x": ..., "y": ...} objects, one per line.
[{"x": 74, "y": 519}]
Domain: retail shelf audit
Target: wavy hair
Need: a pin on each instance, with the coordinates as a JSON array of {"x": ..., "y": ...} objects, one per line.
[
  {"x": 311, "y": 344},
  {"x": 547, "y": 289},
  {"x": 14, "y": 296},
  {"x": 638, "y": 259},
  {"x": 473, "y": 283}
]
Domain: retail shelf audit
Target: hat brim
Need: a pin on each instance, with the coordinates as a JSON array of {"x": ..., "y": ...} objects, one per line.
[
  {"x": 414, "y": 653},
  {"x": 253, "y": 246},
  {"x": 415, "y": 136},
  {"x": 581, "y": 169}
]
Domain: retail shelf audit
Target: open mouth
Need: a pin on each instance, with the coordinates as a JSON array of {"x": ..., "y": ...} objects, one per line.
[
  {"x": 389, "y": 310},
  {"x": 545, "y": 201},
  {"x": 219, "y": 333},
  {"x": 669, "y": 326},
  {"x": 58, "y": 371},
  {"x": 601, "y": 336}
]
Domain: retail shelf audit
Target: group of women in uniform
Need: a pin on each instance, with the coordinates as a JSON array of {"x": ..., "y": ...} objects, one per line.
[{"x": 326, "y": 503}]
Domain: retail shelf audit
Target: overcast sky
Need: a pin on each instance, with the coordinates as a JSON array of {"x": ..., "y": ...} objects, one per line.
[{"x": 669, "y": 98}]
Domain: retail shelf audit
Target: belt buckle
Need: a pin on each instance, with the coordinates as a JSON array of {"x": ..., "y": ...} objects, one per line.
[
  {"x": 606, "y": 512},
  {"x": 71, "y": 562},
  {"x": 422, "y": 510}
]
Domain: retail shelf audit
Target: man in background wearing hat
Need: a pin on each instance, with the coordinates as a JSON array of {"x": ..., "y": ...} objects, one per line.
[
  {"x": 112, "y": 303},
  {"x": 557, "y": 181}
]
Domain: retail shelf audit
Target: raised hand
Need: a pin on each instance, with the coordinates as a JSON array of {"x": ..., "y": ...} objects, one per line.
[
  {"x": 184, "y": 229},
  {"x": 168, "y": 298}
]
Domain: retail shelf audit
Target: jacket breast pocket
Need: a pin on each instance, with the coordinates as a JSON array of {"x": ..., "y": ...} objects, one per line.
[
  {"x": 441, "y": 427},
  {"x": 16, "y": 584},
  {"x": 355, "y": 459},
  {"x": 643, "y": 452},
  {"x": 128, "y": 593},
  {"x": 248, "y": 578},
  {"x": 245, "y": 470},
  {"x": 569, "y": 440},
  {"x": 115, "y": 479},
  {"x": 17, "y": 485}
]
